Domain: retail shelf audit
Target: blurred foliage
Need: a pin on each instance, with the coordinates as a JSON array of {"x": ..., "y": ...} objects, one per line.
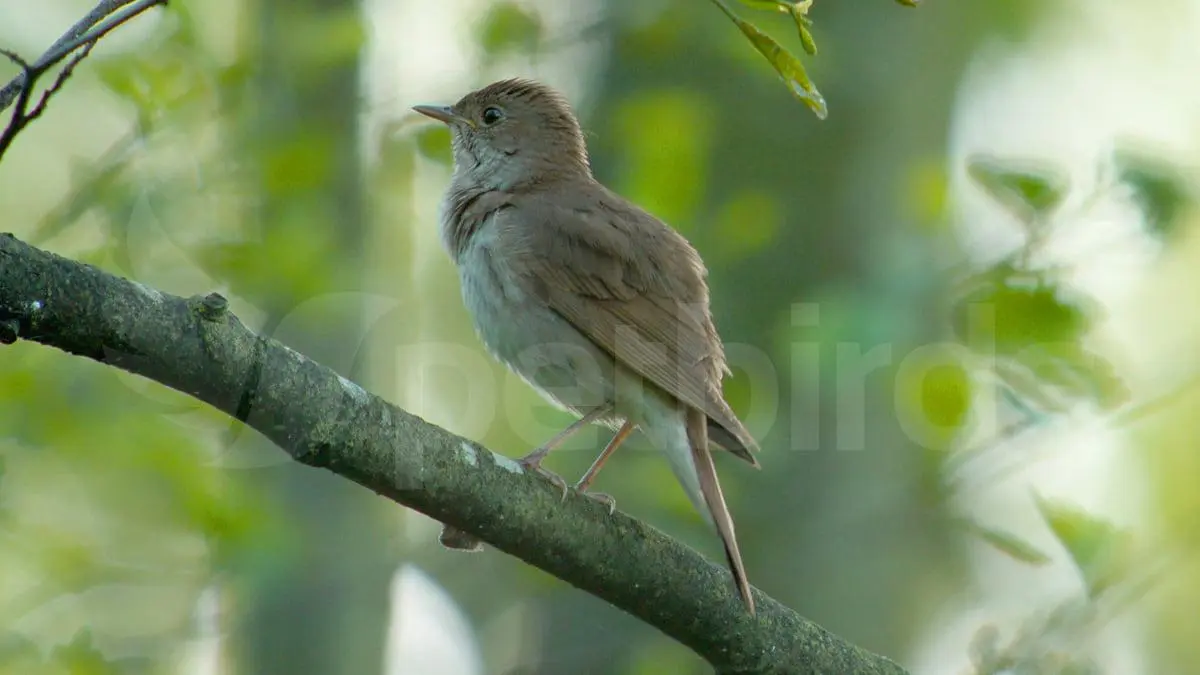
[
  {"x": 507, "y": 28},
  {"x": 669, "y": 136},
  {"x": 1098, "y": 549},
  {"x": 240, "y": 172},
  {"x": 1025, "y": 317},
  {"x": 1032, "y": 193},
  {"x": 110, "y": 488},
  {"x": 789, "y": 68},
  {"x": 1041, "y": 647},
  {"x": 1028, "y": 329},
  {"x": 1158, "y": 187},
  {"x": 1008, "y": 543}
]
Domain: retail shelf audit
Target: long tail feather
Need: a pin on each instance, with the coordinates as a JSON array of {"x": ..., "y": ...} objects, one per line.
[{"x": 697, "y": 434}]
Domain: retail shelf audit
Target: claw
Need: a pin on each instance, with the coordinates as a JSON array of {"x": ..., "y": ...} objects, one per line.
[
  {"x": 533, "y": 462},
  {"x": 603, "y": 498}
]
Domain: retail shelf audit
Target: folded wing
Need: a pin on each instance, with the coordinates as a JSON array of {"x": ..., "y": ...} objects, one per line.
[{"x": 633, "y": 286}]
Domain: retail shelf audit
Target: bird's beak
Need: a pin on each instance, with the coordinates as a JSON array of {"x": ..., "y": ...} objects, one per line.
[{"x": 441, "y": 113}]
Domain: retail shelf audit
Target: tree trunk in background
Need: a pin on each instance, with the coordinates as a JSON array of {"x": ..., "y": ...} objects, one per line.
[{"x": 323, "y": 608}]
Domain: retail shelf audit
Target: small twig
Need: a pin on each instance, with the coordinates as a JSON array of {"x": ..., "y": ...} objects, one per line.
[
  {"x": 98, "y": 14},
  {"x": 19, "y": 119},
  {"x": 59, "y": 52},
  {"x": 63, "y": 76},
  {"x": 101, "y": 11},
  {"x": 104, "y": 18}
]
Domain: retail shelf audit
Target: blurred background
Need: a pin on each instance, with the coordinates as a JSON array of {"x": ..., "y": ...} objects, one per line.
[{"x": 961, "y": 312}]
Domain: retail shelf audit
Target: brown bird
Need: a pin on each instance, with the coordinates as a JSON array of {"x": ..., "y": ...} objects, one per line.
[{"x": 597, "y": 304}]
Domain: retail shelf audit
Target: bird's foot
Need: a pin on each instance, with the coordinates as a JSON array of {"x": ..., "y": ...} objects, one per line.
[
  {"x": 603, "y": 498},
  {"x": 533, "y": 462}
]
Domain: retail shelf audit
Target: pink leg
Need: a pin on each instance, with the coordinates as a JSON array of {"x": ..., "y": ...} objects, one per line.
[
  {"x": 533, "y": 461},
  {"x": 588, "y": 477}
]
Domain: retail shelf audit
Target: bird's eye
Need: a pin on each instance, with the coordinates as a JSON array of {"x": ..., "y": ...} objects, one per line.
[{"x": 492, "y": 115}]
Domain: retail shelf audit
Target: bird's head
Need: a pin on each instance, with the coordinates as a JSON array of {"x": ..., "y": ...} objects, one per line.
[{"x": 511, "y": 132}]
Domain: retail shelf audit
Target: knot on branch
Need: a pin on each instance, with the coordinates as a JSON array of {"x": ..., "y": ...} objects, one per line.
[
  {"x": 212, "y": 307},
  {"x": 17, "y": 320}
]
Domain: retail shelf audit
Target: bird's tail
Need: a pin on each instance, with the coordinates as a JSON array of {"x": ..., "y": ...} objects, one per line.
[{"x": 705, "y": 491}]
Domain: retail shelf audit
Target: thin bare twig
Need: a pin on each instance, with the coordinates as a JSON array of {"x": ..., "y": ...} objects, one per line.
[
  {"x": 101, "y": 11},
  {"x": 63, "y": 76},
  {"x": 61, "y": 51},
  {"x": 19, "y": 119},
  {"x": 103, "y": 19}
]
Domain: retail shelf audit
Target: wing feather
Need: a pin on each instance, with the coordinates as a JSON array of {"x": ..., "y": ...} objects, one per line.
[{"x": 633, "y": 286}]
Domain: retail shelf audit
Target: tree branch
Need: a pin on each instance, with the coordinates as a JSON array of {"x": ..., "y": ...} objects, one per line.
[
  {"x": 198, "y": 347},
  {"x": 105, "y": 17},
  {"x": 106, "y": 7}
]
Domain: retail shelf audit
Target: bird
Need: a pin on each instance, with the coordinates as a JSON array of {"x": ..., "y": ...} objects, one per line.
[{"x": 597, "y": 304}]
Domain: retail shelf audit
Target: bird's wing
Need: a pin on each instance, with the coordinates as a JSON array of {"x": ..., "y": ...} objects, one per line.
[{"x": 633, "y": 286}]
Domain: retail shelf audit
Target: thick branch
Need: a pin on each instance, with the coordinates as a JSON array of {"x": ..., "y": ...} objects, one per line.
[{"x": 321, "y": 419}]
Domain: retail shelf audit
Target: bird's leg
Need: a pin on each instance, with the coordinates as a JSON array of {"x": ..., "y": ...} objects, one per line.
[
  {"x": 533, "y": 461},
  {"x": 582, "y": 485}
]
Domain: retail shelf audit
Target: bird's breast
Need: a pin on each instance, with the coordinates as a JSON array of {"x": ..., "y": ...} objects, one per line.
[{"x": 527, "y": 336}]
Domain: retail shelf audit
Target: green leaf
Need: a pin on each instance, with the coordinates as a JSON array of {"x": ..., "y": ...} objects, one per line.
[
  {"x": 1098, "y": 548},
  {"x": 1024, "y": 311},
  {"x": 1035, "y": 329},
  {"x": 790, "y": 70},
  {"x": 1030, "y": 192},
  {"x": 508, "y": 27},
  {"x": 1157, "y": 187},
  {"x": 1009, "y": 544},
  {"x": 803, "y": 24},
  {"x": 799, "y": 13}
]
